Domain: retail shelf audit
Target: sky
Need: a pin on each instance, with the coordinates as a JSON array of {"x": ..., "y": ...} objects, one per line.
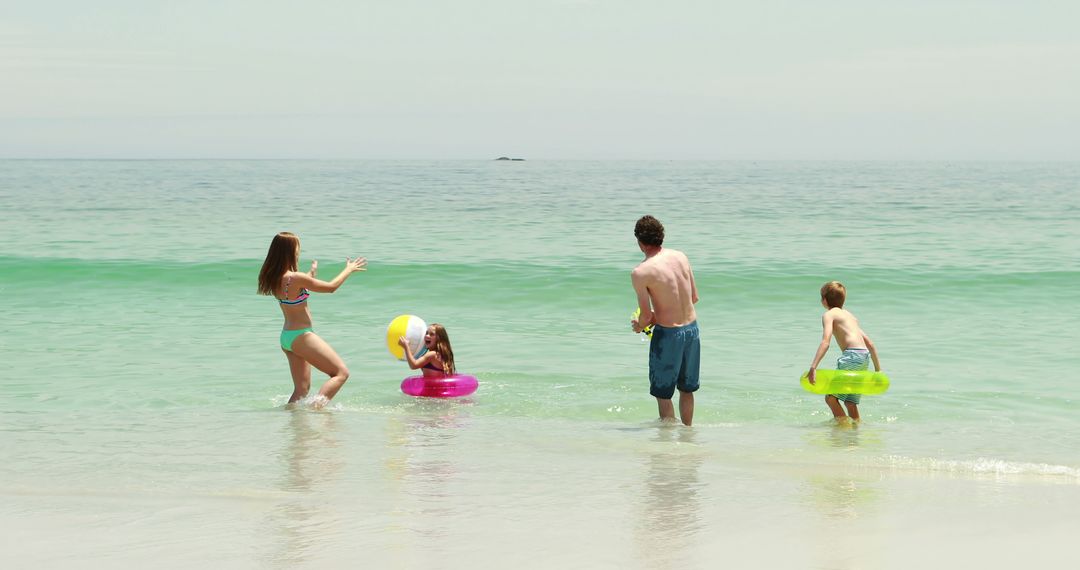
[{"x": 541, "y": 79}]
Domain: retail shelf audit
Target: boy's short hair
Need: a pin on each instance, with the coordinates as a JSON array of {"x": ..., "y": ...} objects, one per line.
[
  {"x": 649, "y": 231},
  {"x": 834, "y": 293}
]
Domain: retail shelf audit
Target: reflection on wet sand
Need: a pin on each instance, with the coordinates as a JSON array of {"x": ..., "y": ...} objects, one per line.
[
  {"x": 305, "y": 519},
  {"x": 421, "y": 468},
  {"x": 840, "y": 495},
  {"x": 669, "y": 529},
  {"x": 840, "y": 492}
]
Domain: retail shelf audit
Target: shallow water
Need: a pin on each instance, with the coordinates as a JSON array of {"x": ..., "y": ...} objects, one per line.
[{"x": 143, "y": 388}]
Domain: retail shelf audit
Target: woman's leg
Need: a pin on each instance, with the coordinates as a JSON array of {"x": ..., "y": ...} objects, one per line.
[
  {"x": 321, "y": 355},
  {"x": 301, "y": 376}
]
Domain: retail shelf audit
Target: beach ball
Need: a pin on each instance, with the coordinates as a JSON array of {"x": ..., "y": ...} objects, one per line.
[{"x": 412, "y": 328}]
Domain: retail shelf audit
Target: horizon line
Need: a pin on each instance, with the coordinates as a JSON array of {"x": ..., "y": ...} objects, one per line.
[{"x": 519, "y": 160}]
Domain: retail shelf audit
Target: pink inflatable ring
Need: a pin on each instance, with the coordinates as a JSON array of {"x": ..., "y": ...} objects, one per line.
[{"x": 452, "y": 386}]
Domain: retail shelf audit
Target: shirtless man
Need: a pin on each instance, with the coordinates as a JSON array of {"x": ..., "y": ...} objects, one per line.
[
  {"x": 858, "y": 348},
  {"x": 666, "y": 293}
]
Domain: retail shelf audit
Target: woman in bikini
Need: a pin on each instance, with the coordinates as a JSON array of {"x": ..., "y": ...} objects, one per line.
[{"x": 280, "y": 279}]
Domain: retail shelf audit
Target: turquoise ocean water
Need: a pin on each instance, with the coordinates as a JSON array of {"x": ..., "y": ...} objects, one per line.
[{"x": 143, "y": 386}]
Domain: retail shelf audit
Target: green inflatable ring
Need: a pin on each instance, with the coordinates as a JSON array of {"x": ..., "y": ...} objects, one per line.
[{"x": 846, "y": 382}]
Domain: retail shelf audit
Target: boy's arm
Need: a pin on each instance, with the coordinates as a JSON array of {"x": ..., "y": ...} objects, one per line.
[
  {"x": 823, "y": 347},
  {"x": 644, "y": 303},
  {"x": 873, "y": 351}
]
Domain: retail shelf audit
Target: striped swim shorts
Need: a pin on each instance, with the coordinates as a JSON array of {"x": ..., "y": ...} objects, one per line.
[{"x": 852, "y": 359}]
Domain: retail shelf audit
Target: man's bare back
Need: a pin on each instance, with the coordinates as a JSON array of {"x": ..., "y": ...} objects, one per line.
[{"x": 664, "y": 283}]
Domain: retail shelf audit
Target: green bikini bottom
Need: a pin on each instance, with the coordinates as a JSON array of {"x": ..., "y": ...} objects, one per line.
[{"x": 287, "y": 337}]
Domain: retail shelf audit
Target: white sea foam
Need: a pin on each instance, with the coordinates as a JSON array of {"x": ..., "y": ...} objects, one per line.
[{"x": 984, "y": 466}]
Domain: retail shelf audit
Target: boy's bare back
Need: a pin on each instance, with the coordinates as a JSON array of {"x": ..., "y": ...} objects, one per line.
[{"x": 845, "y": 327}]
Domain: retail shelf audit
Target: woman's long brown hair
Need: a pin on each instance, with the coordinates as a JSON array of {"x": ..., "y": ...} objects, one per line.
[
  {"x": 442, "y": 348},
  {"x": 281, "y": 257}
]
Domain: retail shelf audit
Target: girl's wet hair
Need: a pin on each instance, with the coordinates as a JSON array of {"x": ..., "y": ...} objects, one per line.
[
  {"x": 280, "y": 258},
  {"x": 442, "y": 348}
]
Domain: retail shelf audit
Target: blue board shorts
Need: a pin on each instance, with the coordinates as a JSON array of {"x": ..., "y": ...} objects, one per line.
[
  {"x": 852, "y": 359},
  {"x": 674, "y": 360}
]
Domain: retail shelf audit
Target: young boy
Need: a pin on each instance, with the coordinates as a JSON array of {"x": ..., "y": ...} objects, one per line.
[{"x": 857, "y": 347}]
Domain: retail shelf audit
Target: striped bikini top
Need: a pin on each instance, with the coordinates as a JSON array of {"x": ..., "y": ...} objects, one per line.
[{"x": 301, "y": 299}]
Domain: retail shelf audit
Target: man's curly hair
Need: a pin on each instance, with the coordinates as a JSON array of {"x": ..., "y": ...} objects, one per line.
[{"x": 649, "y": 231}]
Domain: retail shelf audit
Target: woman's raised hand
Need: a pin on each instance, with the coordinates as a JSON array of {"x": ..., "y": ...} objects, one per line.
[{"x": 358, "y": 264}]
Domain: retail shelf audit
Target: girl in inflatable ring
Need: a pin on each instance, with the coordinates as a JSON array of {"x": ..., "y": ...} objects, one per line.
[{"x": 438, "y": 361}]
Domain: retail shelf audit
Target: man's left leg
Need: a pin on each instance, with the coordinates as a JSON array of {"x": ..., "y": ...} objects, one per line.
[{"x": 686, "y": 407}]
